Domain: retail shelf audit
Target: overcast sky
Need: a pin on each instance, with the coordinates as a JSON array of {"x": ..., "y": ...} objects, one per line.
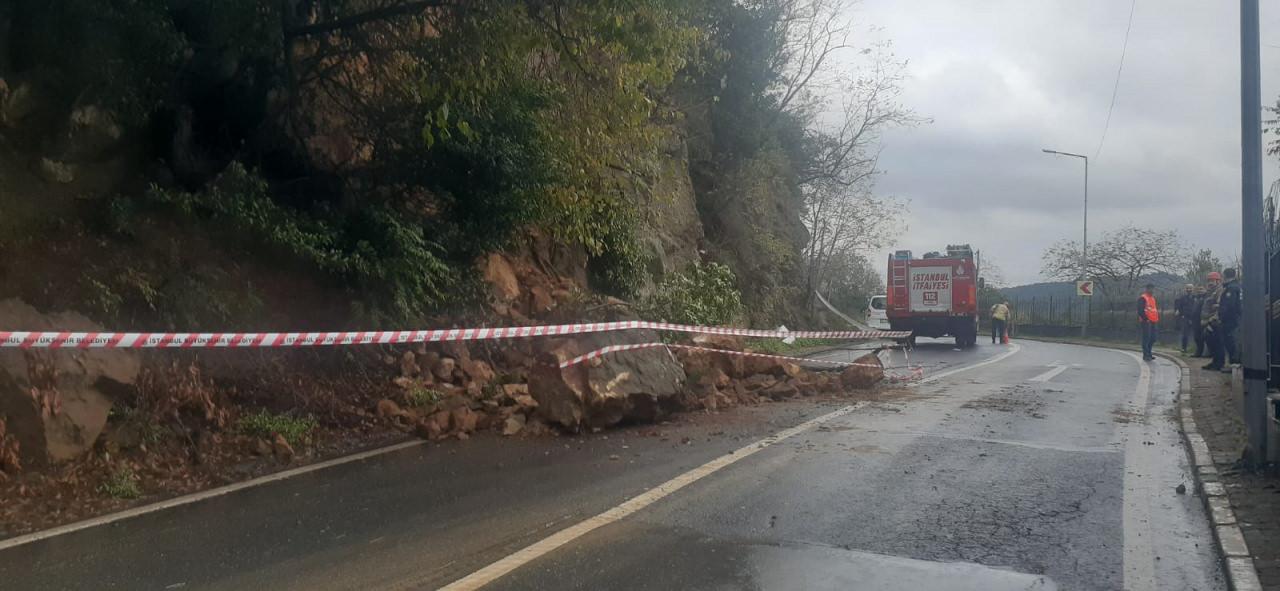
[{"x": 1002, "y": 79}]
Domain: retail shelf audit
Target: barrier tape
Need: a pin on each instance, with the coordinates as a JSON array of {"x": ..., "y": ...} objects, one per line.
[
  {"x": 180, "y": 340},
  {"x": 615, "y": 348}
]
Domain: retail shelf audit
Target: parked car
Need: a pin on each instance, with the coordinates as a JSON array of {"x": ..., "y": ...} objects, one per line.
[{"x": 877, "y": 319}]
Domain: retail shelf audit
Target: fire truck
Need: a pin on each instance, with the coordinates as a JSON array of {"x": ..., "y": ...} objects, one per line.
[{"x": 935, "y": 295}]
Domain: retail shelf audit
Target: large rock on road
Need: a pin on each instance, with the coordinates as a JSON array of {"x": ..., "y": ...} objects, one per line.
[
  {"x": 54, "y": 402},
  {"x": 636, "y": 385}
]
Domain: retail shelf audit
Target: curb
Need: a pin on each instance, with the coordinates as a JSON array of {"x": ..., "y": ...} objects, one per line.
[{"x": 1237, "y": 562}]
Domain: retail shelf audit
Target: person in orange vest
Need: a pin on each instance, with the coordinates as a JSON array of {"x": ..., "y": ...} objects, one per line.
[{"x": 1149, "y": 318}]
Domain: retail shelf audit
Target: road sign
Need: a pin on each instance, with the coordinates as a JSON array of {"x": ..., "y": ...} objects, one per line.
[{"x": 1084, "y": 288}]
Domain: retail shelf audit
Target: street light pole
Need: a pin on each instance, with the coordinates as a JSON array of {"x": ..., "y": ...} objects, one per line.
[
  {"x": 1084, "y": 243},
  {"x": 1253, "y": 313}
]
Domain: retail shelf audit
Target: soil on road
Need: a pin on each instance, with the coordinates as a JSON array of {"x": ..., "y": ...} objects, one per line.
[{"x": 1040, "y": 466}]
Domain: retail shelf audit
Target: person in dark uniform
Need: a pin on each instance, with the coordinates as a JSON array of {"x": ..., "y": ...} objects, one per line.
[
  {"x": 1185, "y": 309},
  {"x": 1229, "y": 316}
]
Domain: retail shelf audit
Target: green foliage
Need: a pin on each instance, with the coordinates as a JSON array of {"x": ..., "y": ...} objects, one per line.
[
  {"x": 419, "y": 396},
  {"x": 122, "y": 483},
  {"x": 375, "y": 250},
  {"x": 706, "y": 294},
  {"x": 777, "y": 347},
  {"x": 267, "y": 424},
  {"x": 122, "y": 54}
]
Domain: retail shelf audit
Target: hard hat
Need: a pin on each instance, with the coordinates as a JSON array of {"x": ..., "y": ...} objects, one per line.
[{"x": 1215, "y": 276}]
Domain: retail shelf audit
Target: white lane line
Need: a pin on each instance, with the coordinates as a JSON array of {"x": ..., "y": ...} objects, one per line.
[
  {"x": 1014, "y": 348},
  {"x": 1027, "y": 444},
  {"x": 1058, "y": 367},
  {"x": 505, "y": 565},
  {"x": 1139, "y": 552},
  {"x": 200, "y": 496},
  {"x": 547, "y": 545}
]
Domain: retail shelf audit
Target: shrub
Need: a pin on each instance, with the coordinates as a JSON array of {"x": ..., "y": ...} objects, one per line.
[
  {"x": 419, "y": 396},
  {"x": 705, "y": 294},
  {"x": 373, "y": 250},
  {"x": 266, "y": 424},
  {"x": 121, "y": 484}
]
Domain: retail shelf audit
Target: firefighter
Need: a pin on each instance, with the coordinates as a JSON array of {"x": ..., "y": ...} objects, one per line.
[
  {"x": 1149, "y": 318},
  {"x": 1184, "y": 308},
  {"x": 1210, "y": 323},
  {"x": 999, "y": 321}
]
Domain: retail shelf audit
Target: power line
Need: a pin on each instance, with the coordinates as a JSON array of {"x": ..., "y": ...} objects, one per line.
[{"x": 1116, "y": 88}]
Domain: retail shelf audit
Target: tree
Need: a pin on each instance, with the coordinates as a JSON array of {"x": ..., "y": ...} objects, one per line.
[
  {"x": 843, "y": 215},
  {"x": 1200, "y": 265},
  {"x": 1119, "y": 260}
]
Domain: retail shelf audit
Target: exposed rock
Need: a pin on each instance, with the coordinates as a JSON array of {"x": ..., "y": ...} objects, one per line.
[
  {"x": 867, "y": 373},
  {"x": 55, "y": 402},
  {"x": 525, "y": 401},
  {"x": 636, "y": 385},
  {"x": 501, "y": 277},
  {"x": 463, "y": 419},
  {"x": 457, "y": 350},
  {"x": 53, "y": 171},
  {"x": 22, "y": 100},
  {"x": 444, "y": 368},
  {"x": 514, "y": 424},
  {"x": 716, "y": 377},
  {"x": 780, "y": 391},
  {"x": 478, "y": 372},
  {"x": 759, "y": 382},
  {"x": 540, "y": 300},
  {"x": 281, "y": 449},
  {"x": 403, "y": 382},
  {"x": 514, "y": 390},
  {"x": 261, "y": 447},
  {"x": 409, "y": 365},
  {"x": 92, "y": 133},
  {"x": 791, "y": 370},
  {"x": 388, "y": 409}
]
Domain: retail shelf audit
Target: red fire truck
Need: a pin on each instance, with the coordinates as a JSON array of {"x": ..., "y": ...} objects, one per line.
[{"x": 936, "y": 295}]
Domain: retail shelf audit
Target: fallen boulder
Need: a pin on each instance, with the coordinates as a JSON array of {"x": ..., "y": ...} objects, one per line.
[
  {"x": 867, "y": 372},
  {"x": 55, "y": 402},
  {"x": 634, "y": 385}
]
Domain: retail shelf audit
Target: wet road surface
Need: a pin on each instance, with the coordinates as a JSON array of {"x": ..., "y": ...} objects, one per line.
[{"x": 1049, "y": 467}]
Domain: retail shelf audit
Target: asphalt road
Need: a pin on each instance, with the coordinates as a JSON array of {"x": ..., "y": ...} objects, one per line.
[{"x": 1041, "y": 466}]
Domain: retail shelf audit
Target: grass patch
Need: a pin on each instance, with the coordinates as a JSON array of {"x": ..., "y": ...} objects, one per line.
[
  {"x": 266, "y": 424},
  {"x": 777, "y": 347},
  {"x": 419, "y": 397},
  {"x": 121, "y": 484}
]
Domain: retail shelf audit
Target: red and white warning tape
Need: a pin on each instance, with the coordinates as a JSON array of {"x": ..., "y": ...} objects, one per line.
[
  {"x": 163, "y": 340},
  {"x": 615, "y": 348}
]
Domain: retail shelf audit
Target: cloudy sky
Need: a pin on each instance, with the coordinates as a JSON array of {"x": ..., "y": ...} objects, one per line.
[{"x": 1002, "y": 79}]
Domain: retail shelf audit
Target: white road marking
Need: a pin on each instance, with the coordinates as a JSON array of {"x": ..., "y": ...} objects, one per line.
[
  {"x": 200, "y": 496},
  {"x": 1139, "y": 553},
  {"x": 1001, "y": 357},
  {"x": 1027, "y": 444},
  {"x": 550, "y": 543},
  {"x": 1058, "y": 367},
  {"x": 505, "y": 565}
]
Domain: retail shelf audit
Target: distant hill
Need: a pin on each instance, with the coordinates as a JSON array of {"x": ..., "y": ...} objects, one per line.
[{"x": 1067, "y": 289}]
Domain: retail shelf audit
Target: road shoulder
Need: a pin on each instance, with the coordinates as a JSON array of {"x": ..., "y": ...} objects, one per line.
[{"x": 1204, "y": 394}]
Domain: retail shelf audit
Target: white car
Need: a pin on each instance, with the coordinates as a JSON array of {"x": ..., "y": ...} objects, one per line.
[{"x": 877, "y": 319}]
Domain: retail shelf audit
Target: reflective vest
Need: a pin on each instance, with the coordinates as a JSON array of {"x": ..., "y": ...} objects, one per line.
[{"x": 1149, "y": 308}]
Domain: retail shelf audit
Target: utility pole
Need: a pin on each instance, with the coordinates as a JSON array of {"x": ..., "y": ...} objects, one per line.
[
  {"x": 1084, "y": 243},
  {"x": 1253, "y": 317}
]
